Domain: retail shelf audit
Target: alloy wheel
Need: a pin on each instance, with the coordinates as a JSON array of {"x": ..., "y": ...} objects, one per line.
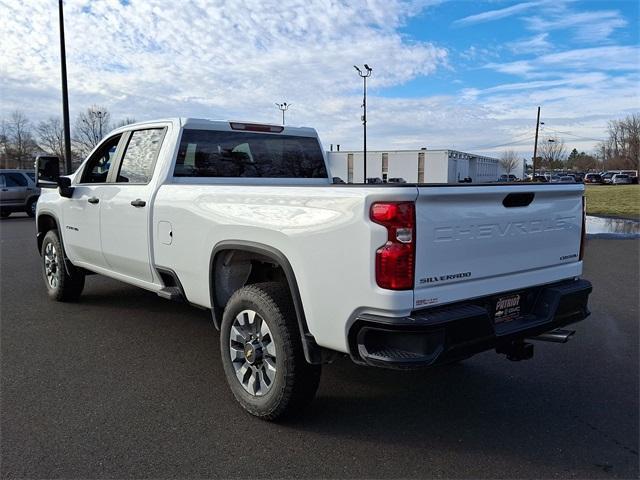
[
  {"x": 51, "y": 265},
  {"x": 253, "y": 352}
]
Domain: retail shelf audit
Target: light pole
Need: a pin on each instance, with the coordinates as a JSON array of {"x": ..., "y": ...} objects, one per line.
[
  {"x": 65, "y": 93},
  {"x": 535, "y": 146},
  {"x": 100, "y": 114},
  {"x": 364, "y": 117},
  {"x": 284, "y": 107}
]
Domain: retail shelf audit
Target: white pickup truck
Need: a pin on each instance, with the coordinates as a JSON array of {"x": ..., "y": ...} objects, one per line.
[{"x": 243, "y": 219}]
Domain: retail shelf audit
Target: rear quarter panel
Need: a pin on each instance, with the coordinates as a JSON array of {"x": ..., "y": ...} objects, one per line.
[{"x": 323, "y": 231}]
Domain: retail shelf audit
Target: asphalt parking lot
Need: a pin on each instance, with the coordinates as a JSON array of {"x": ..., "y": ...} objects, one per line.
[{"x": 124, "y": 384}]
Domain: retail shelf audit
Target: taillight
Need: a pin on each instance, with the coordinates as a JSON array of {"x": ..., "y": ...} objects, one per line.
[
  {"x": 395, "y": 260},
  {"x": 584, "y": 227}
]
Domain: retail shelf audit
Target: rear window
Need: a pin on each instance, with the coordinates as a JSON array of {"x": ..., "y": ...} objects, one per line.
[
  {"x": 208, "y": 153},
  {"x": 13, "y": 179}
]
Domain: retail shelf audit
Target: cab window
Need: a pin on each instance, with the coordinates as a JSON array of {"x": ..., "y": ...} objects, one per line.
[
  {"x": 97, "y": 168},
  {"x": 140, "y": 156}
]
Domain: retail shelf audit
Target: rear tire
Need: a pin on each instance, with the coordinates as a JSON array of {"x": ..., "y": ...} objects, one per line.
[
  {"x": 31, "y": 207},
  {"x": 4, "y": 214},
  {"x": 62, "y": 286},
  {"x": 262, "y": 352}
]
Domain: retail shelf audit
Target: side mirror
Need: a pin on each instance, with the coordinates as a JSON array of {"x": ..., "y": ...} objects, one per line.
[
  {"x": 47, "y": 171},
  {"x": 64, "y": 184}
]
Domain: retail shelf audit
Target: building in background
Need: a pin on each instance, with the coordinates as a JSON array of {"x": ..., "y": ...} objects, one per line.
[{"x": 416, "y": 166}]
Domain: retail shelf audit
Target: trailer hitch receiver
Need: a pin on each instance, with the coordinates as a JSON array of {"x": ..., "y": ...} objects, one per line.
[{"x": 516, "y": 350}]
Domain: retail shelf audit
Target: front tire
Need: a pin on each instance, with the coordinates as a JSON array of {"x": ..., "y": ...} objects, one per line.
[
  {"x": 262, "y": 352},
  {"x": 61, "y": 286}
]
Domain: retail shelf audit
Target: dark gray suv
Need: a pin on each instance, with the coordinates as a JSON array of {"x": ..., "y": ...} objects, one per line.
[{"x": 18, "y": 192}]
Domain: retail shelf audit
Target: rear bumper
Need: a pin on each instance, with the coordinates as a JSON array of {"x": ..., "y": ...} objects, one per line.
[{"x": 445, "y": 334}]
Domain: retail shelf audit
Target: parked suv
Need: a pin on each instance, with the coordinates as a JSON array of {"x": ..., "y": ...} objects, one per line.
[
  {"x": 621, "y": 179},
  {"x": 18, "y": 192}
]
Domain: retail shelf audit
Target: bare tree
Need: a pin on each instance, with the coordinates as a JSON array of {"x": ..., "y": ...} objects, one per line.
[
  {"x": 553, "y": 152},
  {"x": 91, "y": 126},
  {"x": 50, "y": 135},
  {"x": 17, "y": 140},
  {"x": 622, "y": 148},
  {"x": 509, "y": 161}
]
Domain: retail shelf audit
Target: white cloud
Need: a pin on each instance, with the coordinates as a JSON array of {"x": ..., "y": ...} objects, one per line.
[
  {"x": 568, "y": 80},
  {"x": 536, "y": 44},
  {"x": 209, "y": 58},
  {"x": 590, "y": 27},
  {"x": 610, "y": 58},
  {"x": 497, "y": 14}
]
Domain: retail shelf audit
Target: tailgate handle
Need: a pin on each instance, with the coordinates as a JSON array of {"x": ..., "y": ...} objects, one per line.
[{"x": 518, "y": 199}]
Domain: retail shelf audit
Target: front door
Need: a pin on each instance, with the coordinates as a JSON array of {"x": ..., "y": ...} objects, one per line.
[
  {"x": 81, "y": 212},
  {"x": 125, "y": 217}
]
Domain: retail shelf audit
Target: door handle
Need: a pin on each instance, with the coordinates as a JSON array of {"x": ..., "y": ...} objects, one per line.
[
  {"x": 138, "y": 203},
  {"x": 93, "y": 200}
]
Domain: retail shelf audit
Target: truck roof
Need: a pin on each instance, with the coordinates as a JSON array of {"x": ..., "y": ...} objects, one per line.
[{"x": 207, "y": 124}]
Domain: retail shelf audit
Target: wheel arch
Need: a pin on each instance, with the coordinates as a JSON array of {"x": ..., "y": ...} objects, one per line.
[
  {"x": 312, "y": 351},
  {"x": 44, "y": 223}
]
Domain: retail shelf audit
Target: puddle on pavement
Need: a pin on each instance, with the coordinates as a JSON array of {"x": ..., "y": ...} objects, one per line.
[{"x": 612, "y": 227}]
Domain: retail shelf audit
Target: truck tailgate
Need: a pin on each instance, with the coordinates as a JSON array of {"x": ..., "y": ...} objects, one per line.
[{"x": 493, "y": 234}]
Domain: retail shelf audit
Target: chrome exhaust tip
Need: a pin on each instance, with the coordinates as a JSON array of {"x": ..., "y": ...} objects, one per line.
[{"x": 555, "y": 336}]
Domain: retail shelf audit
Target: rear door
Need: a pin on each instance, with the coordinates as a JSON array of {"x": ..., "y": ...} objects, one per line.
[
  {"x": 126, "y": 206},
  {"x": 14, "y": 191},
  {"x": 494, "y": 232},
  {"x": 3, "y": 190}
]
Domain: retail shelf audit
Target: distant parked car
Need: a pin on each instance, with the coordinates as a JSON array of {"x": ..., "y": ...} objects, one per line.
[
  {"x": 540, "y": 179},
  {"x": 621, "y": 179},
  {"x": 507, "y": 178},
  {"x": 374, "y": 180},
  {"x": 397, "y": 180},
  {"x": 18, "y": 192},
  {"x": 562, "y": 179},
  {"x": 593, "y": 178},
  {"x": 579, "y": 177},
  {"x": 337, "y": 180},
  {"x": 607, "y": 177},
  {"x": 633, "y": 175}
]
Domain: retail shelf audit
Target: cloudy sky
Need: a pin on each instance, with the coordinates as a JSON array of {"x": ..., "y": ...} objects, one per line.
[{"x": 450, "y": 74}]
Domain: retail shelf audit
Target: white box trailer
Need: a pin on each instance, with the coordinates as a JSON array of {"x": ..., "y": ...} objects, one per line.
[{"x": 415, "y": 166}]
